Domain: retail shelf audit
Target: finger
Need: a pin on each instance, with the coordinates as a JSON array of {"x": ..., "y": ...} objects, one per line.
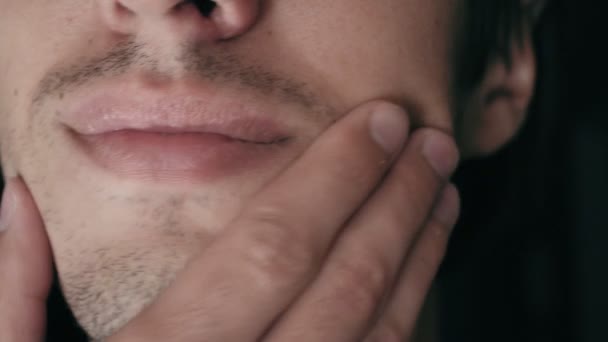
[
  {"x": 398, "y": 320},
  {"x": 275, "y": 247},
  {"x": 233, "y": 17},
  {"x": 361, "y": 269},
  {"x": 25, "y": 267}
]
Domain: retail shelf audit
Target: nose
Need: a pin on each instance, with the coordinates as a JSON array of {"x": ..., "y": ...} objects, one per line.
[{"x": 212, "y": 20}]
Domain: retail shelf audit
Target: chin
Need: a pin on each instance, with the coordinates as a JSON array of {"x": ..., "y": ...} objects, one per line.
[{"x": 106, "y": 287}]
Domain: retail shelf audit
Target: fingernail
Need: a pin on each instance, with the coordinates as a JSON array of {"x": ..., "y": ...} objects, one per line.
[
  {"x": 441, "y": 152},
  {"x": 447, "y": 208},
  {"x": 7, "y": 207},
  {"x": 389, "y": 127}
]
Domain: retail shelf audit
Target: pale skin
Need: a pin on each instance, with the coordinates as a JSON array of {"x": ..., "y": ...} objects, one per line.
[
  {"x": 333, "y": 239},
  {"x": 279, "y": 278}
]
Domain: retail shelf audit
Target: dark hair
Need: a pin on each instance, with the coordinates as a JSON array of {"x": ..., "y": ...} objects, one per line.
[
  {"x": 487, "y": 30},
  {"x": 509, "y": 266}
]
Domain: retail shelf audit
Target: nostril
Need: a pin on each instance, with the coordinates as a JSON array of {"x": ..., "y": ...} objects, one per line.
[{"x": 206, "y": 7}]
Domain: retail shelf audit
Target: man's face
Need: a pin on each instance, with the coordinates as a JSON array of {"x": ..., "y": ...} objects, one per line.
[{"x": 125, "y": 210}]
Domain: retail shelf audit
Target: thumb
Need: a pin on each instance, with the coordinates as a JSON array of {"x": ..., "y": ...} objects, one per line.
[{"x": 25, "y": 266}]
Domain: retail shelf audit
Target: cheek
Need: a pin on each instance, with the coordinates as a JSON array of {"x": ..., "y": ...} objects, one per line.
[
  {"x": 35, "y": 35},
  {"x": 355, "y": 50}
]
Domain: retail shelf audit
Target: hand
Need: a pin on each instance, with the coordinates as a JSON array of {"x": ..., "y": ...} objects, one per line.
[
  {"x": 346, "y": 255},
  {"x": 335, "y": 249}
]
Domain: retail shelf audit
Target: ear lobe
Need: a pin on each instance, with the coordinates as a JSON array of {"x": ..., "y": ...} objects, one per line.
[{"x": 498, "y": 108}]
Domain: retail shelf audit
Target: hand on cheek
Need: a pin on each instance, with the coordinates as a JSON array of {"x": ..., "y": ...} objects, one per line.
[{"x": 341, "y": 247}]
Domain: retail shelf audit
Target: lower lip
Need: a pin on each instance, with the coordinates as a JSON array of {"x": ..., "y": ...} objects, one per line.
[{"x": 176, "y": 156}]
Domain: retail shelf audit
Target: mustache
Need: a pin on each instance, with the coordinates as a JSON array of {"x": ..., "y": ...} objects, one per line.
[{"x": 215, "y": 66}]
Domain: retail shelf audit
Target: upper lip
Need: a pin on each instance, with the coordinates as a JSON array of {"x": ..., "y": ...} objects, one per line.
[{"x": 175, "y": 114}]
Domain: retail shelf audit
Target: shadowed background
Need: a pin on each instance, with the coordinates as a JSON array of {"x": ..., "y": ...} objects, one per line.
[{"x": 528, "y": 260}]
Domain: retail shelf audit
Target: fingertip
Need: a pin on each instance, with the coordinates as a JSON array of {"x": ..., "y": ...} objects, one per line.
[
  {"x": 25, "y": 213},
  {"x": 447, "y": 209},
  {"x": 26, "y": 265},
  {"x": 18, "y": 211},
  {"x": 440, "y": 151},
  {"x": 7, "y": 206},
  {"x": 25, "y": 228},
  {"x": 389, "y": 126}
]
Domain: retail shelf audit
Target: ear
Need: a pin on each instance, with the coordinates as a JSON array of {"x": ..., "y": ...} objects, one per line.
[{"x": 498, "y": 107}]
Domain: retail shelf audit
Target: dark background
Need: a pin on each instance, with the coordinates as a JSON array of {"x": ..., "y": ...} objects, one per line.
[
  {"x": 528, "y": 259},
  {"x": 527, "y": 262}
]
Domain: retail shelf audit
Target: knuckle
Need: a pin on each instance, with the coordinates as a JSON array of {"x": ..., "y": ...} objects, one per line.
[
  {"x": 449, "y": 152},
  {"x": 274, "y": 250},
  {"x": 447, "y": 210},
  {"x": 361, "y": 282}
]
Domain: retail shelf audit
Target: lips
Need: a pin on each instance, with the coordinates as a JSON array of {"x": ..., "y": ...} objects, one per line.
[
  {"x": 174, "y": 137},
  {"x": 175, "y": 114}
]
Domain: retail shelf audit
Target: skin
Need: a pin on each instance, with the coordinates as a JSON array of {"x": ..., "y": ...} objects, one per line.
[
  {"x": 138, "y": 235},
  {"x": 278, "y": 278}
]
